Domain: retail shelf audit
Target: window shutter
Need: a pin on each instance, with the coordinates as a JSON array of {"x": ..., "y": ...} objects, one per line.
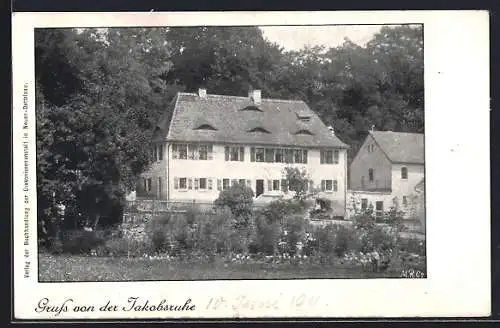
[
  {"x": 196, "y": 183},
  {"x": 210, "y": 152},
  {"x": 144, "y": 180},
  {"x": 161, "y": 152},
  {"x": 323, "y": 185},
  {"x": 336, "y": 156},
  {"x": 176, "y": 183},
  {"x": 174, "y": 151},
  {"x": 226, "y": 153},
  {"x": 322, "y": 157},
  {"x": 304, "y": 157},
  {"x": 219, "y": 184},
  {"x": 210, "y": 184},
  {"x": 249, "y": 183},
  {"x": 335, "y": 185},
  {"x": 190, "y": 183},
  {"x": 311, "y": 185},
  {"x": 283, "y": 185},
  {"x": 269, "y": 185},
  {"x": 252, "y": 154},
  {"x": 242, "y": 154}
]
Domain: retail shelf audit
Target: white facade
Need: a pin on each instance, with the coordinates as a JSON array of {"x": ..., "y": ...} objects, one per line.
[{"x": 175, "y": 179}]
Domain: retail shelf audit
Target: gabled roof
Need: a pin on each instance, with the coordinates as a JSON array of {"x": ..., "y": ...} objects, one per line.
[
  {"x": 401, "y": 147},
  {"x": 225, "y": 113}
]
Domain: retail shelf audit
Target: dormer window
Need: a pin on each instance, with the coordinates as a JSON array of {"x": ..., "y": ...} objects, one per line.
[
  {"x": 304, "y": 131},
  {"x": 251, "y": 108},
  {"x": 205, "y": 126},
  {"x": 303, "y": 116},
  {"x": 259, "y": 129}
]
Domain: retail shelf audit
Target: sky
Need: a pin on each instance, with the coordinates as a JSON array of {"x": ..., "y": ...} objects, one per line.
[{"x": 296, "y": 37}]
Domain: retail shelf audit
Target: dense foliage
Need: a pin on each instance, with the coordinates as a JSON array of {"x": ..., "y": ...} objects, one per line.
[{"x": 100, "y": 92}]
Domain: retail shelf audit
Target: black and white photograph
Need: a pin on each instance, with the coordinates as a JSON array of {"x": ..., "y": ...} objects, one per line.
[
  {"x": 247, "y": 152},
  {"x": 250, "y": 165}
]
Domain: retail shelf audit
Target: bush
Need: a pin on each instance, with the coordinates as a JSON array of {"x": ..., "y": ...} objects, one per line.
[
  {"x": 214, "y": 232},
  {"x": 83, "y": 242},
  {"x": 266, "y": 237},
  {"x": 278, "y": 210},
  {"x": 239, "y": 199},
  {"x": 296, "y": 232},
  {"x": 125, "y": 246}
]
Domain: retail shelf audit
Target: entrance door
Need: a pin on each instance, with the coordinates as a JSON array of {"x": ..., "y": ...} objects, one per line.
[{"x": 259, "y": 187}]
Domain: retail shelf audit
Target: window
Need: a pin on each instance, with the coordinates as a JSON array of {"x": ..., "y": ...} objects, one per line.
[
  {"x": 276, "y": 185},
  {"x": 304, "y": 131},
  {"x": 326, "y": 157},
  {"x": 404, "y": 173},
  {"x": 234, "y": 154},
  {"x": 158, "y": 152},
  {"x": 288, "y": 155},
  {"x": 405, "y": 200},
  {"x": 203, "y": 183},
  {"x": 379, "y": 209},
  {"x": 269, "y": 155},
  {"x": 329, "y": 157},
  {"x": 370, "y": 147},
  {"x": 241, "y": 182},
  {"x": 190, "y": 151},
  {"x": 183, "y": 183},
  {"x": 329, "y": 185},
  {"x": 160, "y": 186},
  {"x": 147, "y": 184},
  {"x": 225, "y": 183},
  {"x": 205, "y": 126},
  {"x": 370, "y": 175},
  {"x": 278, "y": 156},
  {"x": 203, "y": 152},
  {"x": 181, "y": 151},
  {"x": 364, "y": 203}
]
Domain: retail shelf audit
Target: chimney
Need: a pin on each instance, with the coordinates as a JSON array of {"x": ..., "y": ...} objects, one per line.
[
  {"x": 255, "y": 96},
  {"x": 202, "y": 93},
  {"x": 331, "y": 129}
]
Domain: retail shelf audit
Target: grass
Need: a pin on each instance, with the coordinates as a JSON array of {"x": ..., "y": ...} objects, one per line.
[{"x": 87, "y": 268}]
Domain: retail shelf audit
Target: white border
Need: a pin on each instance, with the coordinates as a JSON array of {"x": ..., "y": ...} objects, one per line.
[{"x": 458, "y": 197}]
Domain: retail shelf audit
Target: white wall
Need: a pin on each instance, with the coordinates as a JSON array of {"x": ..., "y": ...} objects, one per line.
[
  {"x": 218, "y": 168},
  {"x": 401, "y": 187}
]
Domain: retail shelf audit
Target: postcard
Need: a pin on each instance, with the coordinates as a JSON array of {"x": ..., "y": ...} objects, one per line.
[{"x": 223, "y": 165}]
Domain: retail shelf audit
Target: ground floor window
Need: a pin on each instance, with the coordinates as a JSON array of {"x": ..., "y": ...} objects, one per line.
[
  {"x": 276, "y": 185},
  {"x": 364, "y": 203},
  {"x": 329, "y": 185}
]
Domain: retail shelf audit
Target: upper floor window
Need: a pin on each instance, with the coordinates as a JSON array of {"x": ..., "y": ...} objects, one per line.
[
  {"x": 234, "y": 153},
  {"x": 370, "y": 147},
  {"x": 370, "y": 175},
  {"x": 278, "y": 155},
  {"x": 147, "y": 185},
  {"x": 201, "y": 152},
  {"x": 158, "y": 152},
  {"x": 404, "y": 173},
  {"x": 329, "y": 157}
]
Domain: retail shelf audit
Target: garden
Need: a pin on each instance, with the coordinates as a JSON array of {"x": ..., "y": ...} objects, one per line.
[{"x": 235, "y": 240}]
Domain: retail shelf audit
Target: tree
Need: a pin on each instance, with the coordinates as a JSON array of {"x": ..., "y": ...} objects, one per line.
[
  {"x": 239, "y": 199},
  {"x": 297, "y": 181},
  {"x": 91, "y": 136}
]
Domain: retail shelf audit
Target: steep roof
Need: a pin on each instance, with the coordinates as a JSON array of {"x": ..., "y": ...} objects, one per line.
[
  {"x": 401, "y": 147},
  {"x": 239, "y": 120}
]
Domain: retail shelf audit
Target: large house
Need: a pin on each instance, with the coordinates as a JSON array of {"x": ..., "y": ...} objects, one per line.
[
  {"x": 388, "y": 168},
  {"x": 205, "y": 143}
]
